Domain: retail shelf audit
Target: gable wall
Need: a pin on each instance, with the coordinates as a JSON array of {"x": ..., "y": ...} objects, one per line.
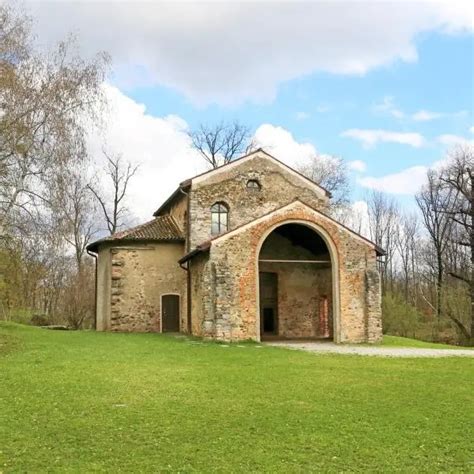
[
  {"x": 278, "y": 187},
  {"x": 235, "y": 293}
]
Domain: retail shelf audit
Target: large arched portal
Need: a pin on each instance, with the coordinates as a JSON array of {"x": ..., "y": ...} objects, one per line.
[{"x": 295, "y": 284}]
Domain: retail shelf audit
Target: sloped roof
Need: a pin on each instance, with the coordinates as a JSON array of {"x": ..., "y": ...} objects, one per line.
[{"x": 162, "y": 228}]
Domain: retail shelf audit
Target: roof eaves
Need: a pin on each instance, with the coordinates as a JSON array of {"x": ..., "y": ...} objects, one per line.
[
  {"x": 204, "y": 247},
  {"x": 94, "y": 246},
  {"x": 160, "y": 229}
]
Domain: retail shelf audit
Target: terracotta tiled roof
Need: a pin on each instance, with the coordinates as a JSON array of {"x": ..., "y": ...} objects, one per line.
[{"x": 162, "y": 228}]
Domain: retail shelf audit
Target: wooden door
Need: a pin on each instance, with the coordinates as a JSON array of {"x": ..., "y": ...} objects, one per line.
[
  {"x": 268, "y": 303},
  {"x": 170, "y": 313}
]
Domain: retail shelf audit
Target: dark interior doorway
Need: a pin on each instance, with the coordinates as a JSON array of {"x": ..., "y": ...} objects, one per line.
[
  {"x": 295, "y": 278},
  {"x": 170, "y": 313},
  {"x": 268, "y": 303}
]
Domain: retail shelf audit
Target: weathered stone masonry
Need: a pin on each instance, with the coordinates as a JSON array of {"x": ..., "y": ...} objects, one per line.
[
  {"x": 339, "y": 298},
  {"x": 277, "y": 189},
  {"x": 139, "y": 275},
  {"x": 234, "y": 257}
]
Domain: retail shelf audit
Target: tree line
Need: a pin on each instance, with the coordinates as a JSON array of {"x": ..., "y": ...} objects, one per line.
[{"x": 427, "y": 273}]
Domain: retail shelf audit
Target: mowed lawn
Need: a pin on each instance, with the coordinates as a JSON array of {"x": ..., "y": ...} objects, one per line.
[{"x": 85, "y": 402}]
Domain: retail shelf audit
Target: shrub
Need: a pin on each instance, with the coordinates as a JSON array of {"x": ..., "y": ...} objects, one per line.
[{"x": 399, "y": 317}]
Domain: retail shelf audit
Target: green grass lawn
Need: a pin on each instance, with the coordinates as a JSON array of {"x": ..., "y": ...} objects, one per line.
[
  {"x": 85, "y": 402},
  {"x": 395, "y": 341}
]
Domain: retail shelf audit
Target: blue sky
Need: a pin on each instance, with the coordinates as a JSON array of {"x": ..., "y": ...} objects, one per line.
[
  {"x": 387, "y": 85},
  {"x": 319, "y": 107}
]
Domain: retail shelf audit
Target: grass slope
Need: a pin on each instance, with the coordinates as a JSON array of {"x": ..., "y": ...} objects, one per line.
[{"x": 85, "y": 402}]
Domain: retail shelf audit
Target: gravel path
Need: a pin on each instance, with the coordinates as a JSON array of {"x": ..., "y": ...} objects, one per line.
[{"x": 330, "y": 347}]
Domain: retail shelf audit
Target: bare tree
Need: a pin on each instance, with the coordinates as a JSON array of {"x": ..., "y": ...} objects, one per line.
[
  {"x": 118, "y": 174},
  {"x": 44, "y": 100},
  {"x": 432, "y": 200},
  {"x": 457, "y": 179},
  {"x": 47, "y": 99},
  {"x": 75, "y": 208},
  {"x": 383, "y": 226},
  {"x": 330, "y": 172},
  {"x": 405, "y": 241},
  {"x": 221, "y": 143}
]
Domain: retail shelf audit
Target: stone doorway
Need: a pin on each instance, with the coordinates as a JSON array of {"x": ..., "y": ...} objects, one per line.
[{"x": 295, "y": 285}]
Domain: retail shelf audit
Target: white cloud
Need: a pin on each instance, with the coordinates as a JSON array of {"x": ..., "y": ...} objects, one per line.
[
  {"x": 407, "y": 181},
  {"x": 280, "y": 143},
  {"x": 425, "y": 116},
  {"x": 387, "y": 106},
  {"x": 322, "y": 108},
  {"x": 453, "y": 140},
  {"x": 371, "y": 137},
  {"x": 357, "y": 165},
  {"x": 159, "y": 145},
  {"x": 302, "y": 116},
  {"x": 223, "y": 52}
]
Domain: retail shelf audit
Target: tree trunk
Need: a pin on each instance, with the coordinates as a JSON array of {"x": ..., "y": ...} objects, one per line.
[
  {"x": 471, "y": 242},
  {"x": 439, "y": 285}
]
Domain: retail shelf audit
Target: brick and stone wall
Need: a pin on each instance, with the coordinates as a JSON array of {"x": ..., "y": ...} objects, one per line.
[
  {"x": 133, "y": 278},
  {"x": 230, "y": 284},
  {"x": 278, "y": 187},
  {"x": 301, "y": 288}
]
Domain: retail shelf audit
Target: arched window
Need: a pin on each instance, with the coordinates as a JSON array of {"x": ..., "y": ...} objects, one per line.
[
  {"x": 253, "y": 185},
  {"x": 219, "y": 218}
]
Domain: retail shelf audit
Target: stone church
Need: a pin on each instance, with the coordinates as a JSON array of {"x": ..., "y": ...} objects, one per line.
[{"x": 246, "y": 251}]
